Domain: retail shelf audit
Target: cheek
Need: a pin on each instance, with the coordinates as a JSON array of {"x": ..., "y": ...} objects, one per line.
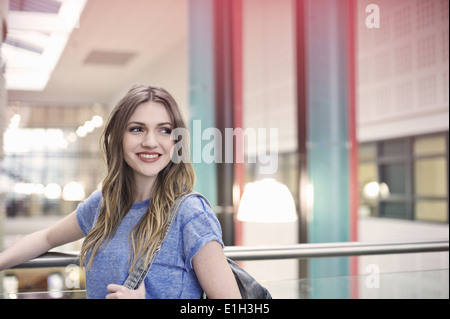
[
  {"x": 128, "y": 142},
  {"x": 169, "y": 147},
  {"x": 127, "y": 149},
  {"x": 170, "y": 144},
  {"x": 125, "y": 142},
  {"x": 167, "y": 144}
]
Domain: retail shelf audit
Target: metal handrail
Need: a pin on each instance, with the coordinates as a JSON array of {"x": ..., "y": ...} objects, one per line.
[
  {"x": 298, "y": 251},
  {"x": 346, "y": 249}
]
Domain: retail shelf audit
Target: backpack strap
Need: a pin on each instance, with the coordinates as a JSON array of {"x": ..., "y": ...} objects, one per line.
[{"x": 141, "y": 269}]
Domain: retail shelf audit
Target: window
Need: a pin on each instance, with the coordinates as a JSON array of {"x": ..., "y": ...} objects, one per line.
[
  {"x": 405, "y": 178},
  {"x": 431, "y": 178},
  {"x": 47, "y": 168}
]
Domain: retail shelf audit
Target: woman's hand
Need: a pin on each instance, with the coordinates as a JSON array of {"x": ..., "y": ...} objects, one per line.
[{"x": 122, "y": 292}]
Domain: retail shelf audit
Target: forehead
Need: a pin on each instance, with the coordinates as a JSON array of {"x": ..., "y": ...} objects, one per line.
[{"x": 150, "y": 112}]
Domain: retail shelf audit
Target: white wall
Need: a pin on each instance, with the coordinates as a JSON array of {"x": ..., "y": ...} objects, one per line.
[
  {"x": 269, "y": 95},
  {"x": 403, "y": 274},
  {"x": 385, "y": 229},
  {"x": 402, "y": 90},
  {"x": 269, "y": 100},
  {"x": 403, "y": 69},
  {"x": 403, "y": 72},
  {"x": 171, "y": 72}
]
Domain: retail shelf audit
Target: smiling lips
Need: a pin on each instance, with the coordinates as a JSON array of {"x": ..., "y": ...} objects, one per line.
[{"x": 149, "y": 157}]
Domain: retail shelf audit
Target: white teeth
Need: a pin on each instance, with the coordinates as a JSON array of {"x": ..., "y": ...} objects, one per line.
[{"x": 149, "y": 155}]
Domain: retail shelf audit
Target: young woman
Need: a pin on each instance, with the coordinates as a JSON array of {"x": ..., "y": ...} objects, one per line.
[{"x": 127, "y": 219}]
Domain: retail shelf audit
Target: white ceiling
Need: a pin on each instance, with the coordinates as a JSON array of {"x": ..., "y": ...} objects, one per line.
[{"x": 152, "y": 33}]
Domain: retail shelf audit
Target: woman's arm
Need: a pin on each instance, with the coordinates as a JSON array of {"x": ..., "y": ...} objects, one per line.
[
  {"x": 214, "y": 272},
  {"x": 35, "y": 244}
]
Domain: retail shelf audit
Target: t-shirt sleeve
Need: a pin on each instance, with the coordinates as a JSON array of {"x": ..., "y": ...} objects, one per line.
[
  {"x": 200, "y": 227},
  {"x": 87, "y": 211}
]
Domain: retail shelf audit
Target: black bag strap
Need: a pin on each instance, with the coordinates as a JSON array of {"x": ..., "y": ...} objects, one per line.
[{"x": 141, "y": 269}]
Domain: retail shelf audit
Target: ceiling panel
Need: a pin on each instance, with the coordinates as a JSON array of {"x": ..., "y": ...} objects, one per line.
[{"x": 144, "y": 31}]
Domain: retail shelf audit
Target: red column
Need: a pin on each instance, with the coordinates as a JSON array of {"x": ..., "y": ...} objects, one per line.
[
  {"x": 302, "y": 154},
  {"x": 353, "y": 152},
  {"x": 228, "y": 107},
  {"x": 236, "y": 34}
]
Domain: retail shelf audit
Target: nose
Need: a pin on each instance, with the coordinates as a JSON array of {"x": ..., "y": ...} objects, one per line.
[{"x": 149, "y": 140}]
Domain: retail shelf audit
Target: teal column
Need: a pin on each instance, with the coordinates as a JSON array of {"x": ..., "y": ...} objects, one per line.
[
  {"x": 327, "y": 136},
  {"x": 201, "y": 91}
]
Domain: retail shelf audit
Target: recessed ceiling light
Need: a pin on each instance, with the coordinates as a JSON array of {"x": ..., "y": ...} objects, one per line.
[
  {"x": 109, "y": 57},
  {"x": 38, "y": 31}
]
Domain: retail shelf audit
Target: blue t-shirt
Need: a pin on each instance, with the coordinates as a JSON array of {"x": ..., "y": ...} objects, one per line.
[{"x": 171, "y": 275}]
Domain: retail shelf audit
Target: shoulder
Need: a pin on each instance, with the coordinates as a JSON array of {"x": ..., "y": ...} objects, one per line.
[
  {"x": 92, "y": 202},
  {"x": 88, "y": 209},
  {"x": 198, "y": 226},
  {"x": 196, "y": 200},
  {"x": 195, "y": 215},
  {"x": 194, "y": 206},
  {"x": 95, "y": 197}
]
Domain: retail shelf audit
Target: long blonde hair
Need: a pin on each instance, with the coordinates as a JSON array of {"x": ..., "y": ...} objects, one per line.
[{"x": 118, "y": 188}]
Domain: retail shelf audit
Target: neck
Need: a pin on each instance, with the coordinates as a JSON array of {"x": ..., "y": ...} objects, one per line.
[{"x": 144, "y": 189}]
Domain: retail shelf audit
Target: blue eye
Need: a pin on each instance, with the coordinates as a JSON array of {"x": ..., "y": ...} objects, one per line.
[
  {"x": 166, "y": 130},
  {"x": 136, "y": 129}
]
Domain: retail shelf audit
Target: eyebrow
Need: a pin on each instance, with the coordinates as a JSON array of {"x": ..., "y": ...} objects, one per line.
[{"x": 143, "y": 124}]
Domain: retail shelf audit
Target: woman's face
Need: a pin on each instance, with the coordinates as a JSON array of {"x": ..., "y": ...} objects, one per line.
[{"x": 146, "y": 141}]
